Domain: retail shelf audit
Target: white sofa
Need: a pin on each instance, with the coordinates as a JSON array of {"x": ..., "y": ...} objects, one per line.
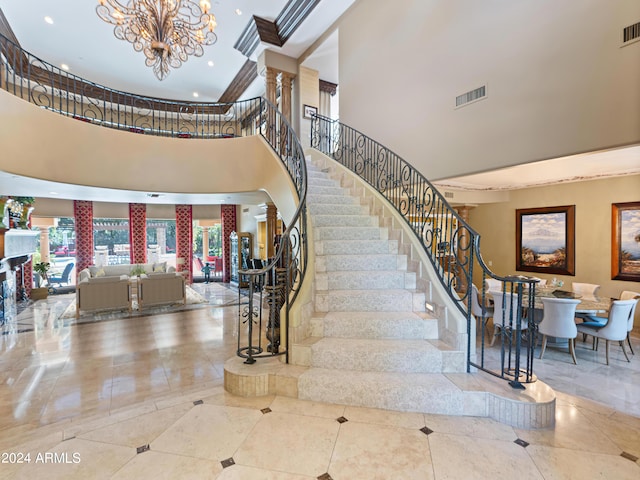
[
  {"x": 123, "y": 269},
  {"x": 109, "y": 287},
  {"x": 160, "y": 289}
]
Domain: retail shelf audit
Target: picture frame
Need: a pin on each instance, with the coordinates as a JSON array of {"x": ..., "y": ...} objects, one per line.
[
  {"x": 625, "y": 241},
  {"x": 309, "y": 111},
  {"x": 545, "y": 240}
]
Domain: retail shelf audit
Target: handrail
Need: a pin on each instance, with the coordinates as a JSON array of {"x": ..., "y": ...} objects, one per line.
[
  {"x": 36, "y": 81},
  {"x": 452, "y": 246}
]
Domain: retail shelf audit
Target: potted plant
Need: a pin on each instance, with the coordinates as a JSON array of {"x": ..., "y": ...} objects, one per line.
[{"x": 41, "y": 270}]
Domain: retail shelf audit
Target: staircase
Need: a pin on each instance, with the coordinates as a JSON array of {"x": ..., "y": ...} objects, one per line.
[{"x": 372, "y": 342}]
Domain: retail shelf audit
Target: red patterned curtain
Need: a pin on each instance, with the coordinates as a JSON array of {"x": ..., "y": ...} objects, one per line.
[
  {"x": 138, "y": 232},
  {"x": 184, "y": 240},
  {"x": 83, "y": 213},
  {"x": 229, "y": 225}
]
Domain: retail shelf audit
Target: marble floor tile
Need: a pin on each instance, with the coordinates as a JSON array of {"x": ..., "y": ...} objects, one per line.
[
  {"x": 160, "y": 465},
  {"x": 477, "y": 427},
  {"x": 241, "y": 472},
  {"x": 384, "y": 417},
  {"x": 565, "y": 464},
  {"x": 378, "y": 452},
  {"x": 457, "y": 457},
  {"x": 303, "y": 407},
  {"x": 290, "y": 443},
  {"x": 208, "y": 431}
]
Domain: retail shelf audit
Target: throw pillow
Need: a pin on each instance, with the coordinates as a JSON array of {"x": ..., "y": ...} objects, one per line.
[
  {"x": 100, "y": 272},
  {"x": 93, "y": 270},
  {"x": 160, "y": 267}
]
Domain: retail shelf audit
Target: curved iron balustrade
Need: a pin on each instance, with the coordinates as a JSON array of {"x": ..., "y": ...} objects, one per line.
[
  {"x": 38, "y": 82},
  {"x": 452, "y": 246}
]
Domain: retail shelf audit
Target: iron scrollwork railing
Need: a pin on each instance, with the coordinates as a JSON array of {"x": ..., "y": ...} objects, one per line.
[
  {"x": 36, "y": 81},
  {"x": 452, "y": 246}
]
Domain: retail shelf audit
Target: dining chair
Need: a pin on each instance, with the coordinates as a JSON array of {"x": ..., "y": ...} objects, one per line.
[
  {"x": 629, "y": 295},
  {"x": 616, "y": 328},
  {"x": 491, "y": 284},
  {"x": 558, "y": 320},
  {"x": 542, "y": 282},
  {"x": 585, "y": 289},
  {"x": 505, "y": 312},
  {"x": 481, "y": 313}
]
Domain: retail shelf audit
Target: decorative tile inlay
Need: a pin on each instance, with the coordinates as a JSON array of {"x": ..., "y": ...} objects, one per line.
[
  {"x": 143, "y": 448},
  {"x": 198, "y": 402},
  {"x": 266, "y": 410},
  {"x": 325, "y": 476},
  {"x": 426, "y": 430},
  {"x": 521, "y": 442},
  {"x": 341, "y": 420},
  {"x": 628, "y": 456},
  {"x": 228, "y": 462}
]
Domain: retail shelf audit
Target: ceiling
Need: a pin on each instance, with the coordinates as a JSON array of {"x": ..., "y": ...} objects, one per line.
[{"x": 81, "y": 40}]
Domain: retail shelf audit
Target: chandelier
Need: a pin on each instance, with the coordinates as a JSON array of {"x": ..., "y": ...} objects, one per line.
[{"x": 166, "y": 31}]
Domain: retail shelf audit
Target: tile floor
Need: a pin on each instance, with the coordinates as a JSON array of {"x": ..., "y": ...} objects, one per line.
[{"x": 142, "y": 397}]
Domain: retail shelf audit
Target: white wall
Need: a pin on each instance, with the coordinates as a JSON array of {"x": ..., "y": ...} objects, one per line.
[{"x": 558, "y": 81}]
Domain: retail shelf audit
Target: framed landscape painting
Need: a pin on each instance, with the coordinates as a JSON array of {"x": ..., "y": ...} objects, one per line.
[
  {"x": 625, "y": 241},
  {"x": 545, "y": 240}
]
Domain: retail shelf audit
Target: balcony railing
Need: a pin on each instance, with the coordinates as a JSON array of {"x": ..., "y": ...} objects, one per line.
[
  {"x": 36, "y": 81},
  {"x": 452, "y": 246}
]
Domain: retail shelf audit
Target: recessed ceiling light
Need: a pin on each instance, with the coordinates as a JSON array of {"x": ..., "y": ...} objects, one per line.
[
  {"x": 64, "y": 66},
  {"x": 49, "y": 20},
  {"x": 238, "y": 11},
  {"x": 210, "y": 63},
  {"x": 195, "y": 94}
]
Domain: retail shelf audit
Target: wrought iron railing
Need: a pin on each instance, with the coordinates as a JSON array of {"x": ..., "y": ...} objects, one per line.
[
  {"x": 36, "y": 81},
  {"x": 452, "y": 246}
]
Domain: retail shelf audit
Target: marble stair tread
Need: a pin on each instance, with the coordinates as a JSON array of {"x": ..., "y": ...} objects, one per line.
[
  {"x": 378, "y": 325},
  {"x": 327, "y": 190},
  {"x": 410, "y": 392},
  {"x": 385, "y": 355},
  {"x": 355, "y": 247},
  {"x": 372, "y": 279}
]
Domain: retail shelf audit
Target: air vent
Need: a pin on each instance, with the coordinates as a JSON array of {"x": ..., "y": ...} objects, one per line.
[
  {"x": 245, "y": 210},
  {"x": 631, "y": 34},
  {"x": 448, "y": 194},
  {"x": 472, "y": 96}
]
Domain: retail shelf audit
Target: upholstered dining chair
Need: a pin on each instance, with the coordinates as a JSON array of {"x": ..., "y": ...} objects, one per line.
[
  {"x": 558, "y": 320},
  {"x": 504, "y": 315},
  {"x": 481, "y": 314},
  {"x": 491, "y": 284},
  {"x": 616, "y": 328},
  {"x": 629, "y": 295},
  {"x": 585, "y": 289}
]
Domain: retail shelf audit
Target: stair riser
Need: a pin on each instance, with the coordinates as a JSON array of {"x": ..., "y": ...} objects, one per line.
[
  {"x": 328, "y": 190},
  {"x": 344, "y": 221},
  {"x": 394, "y": 397},
  {"x": 410, "y": 329},
  {"x": 350, "y": 233},
  {"x": 383, "y": 360},
  {"x": 355, "y": 247},
  {"x": 337, "y": 263},
  {"x": 321, "y": 182},
  {"x": 372, "y": 301},
  {"x": 371, "y": 280},
  {"x": 328, "y": 209},
  {"x": 312, "y": 198}
]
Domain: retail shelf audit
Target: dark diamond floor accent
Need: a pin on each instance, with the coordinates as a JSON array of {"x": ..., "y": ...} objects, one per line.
[
  {"x": 629, "y": 456},
  {"x": 228, "y": 462},
  {"x": 198, "y": 402},
  {"x": 143, "y": 448},
  {"x": 426, "y": 430},
  {"x": 69, "y": 438},
  {"x": 340, "y": 420},
  {"x": 325, "y": 476},
  {"x": 266, "y": 410},
  {"x": 521, "y": 442}
]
